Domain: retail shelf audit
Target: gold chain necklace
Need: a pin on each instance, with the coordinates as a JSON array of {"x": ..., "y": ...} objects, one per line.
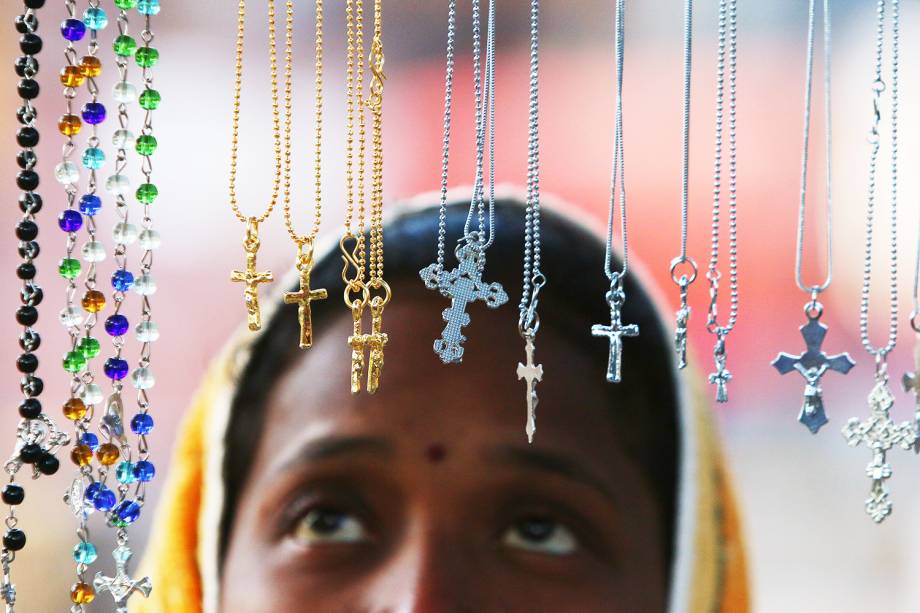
[{"x": 250, "y": 277}]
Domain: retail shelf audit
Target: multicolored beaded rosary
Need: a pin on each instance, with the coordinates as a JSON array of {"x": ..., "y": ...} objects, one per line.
[
  {"x": 464, "y": 285},
  {"x": 357, "y": 294}
]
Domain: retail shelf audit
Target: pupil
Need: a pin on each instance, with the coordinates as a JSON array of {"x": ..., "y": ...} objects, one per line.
[
  {"x": 325, "y": 522},
  {"x": 538, "y": 530}
]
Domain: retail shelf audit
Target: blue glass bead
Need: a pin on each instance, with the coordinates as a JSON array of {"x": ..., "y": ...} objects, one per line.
[
  {"x": 122, "y": 280},
  {"x": 116, "y": 325},
  {"x": 144, "y": 471},
  {"x": 141, "y": 424},
  {"x": 92, "y": 490},
  {"x": 93, "y": 113},
  {"x": 93, "y": 158},
  {"x": 73, "y": 29},
  {"x": 70, "y": 220},
  {"x": 148, "y": 7},
  {"x": 105, "y": 499},
  {"x": 85, "y": 553},
  {"x": 128, "y": 512},
  {"x": 90, "y": 204},
  {"x": 125, "y": 473},
  {"x": 90, "y": 440},
  {"x": 95, "y": 18},
  {"x": 115, "y": 369}
]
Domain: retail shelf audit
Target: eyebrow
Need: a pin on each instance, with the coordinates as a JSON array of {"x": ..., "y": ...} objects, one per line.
[
  {"x": 554, "y": 464},
  {"x": 333, "y": 447}
]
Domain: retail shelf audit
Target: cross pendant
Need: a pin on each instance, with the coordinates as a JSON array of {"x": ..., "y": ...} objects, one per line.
[
  {"x": 680, "y": 335},
  {"x": 357, "y": 342},
  {"x": 376, "y": 341},
  {"x": 880, "y": 434},
  {"x": 721, "y": 377},
  {"x": 122, "y": 586},
  {"x": 251, "y": 279},
  {"x": 615, "y": 333},
  {"x": 812, "y": 365},
  {"x": 532, "y": 373},
  {"x": 303, "y": 300},
  {"x": 911, "y": 382}
]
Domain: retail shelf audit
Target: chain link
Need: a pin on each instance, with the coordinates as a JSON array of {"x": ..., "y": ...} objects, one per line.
[{"x": 618, "y": 174}]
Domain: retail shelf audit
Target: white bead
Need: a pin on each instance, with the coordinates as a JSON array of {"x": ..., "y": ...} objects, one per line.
[
  {"x": 71, "y": 316},
  {"x": 143, "y": 379},
  {"x": 67, "y": 173},
  {"x": 93, "y": 251},
  {"x": 147, "y": 332},
  {"x": 150, "y": 240},
  {"x": 145, "y": 285},
  {"x": 124, "y": 233},
  {"x": 123, "y": 139},
  {"x": 92, "y": 394},
  {"x": 118, "y": 185},
  {"x": 124, "y": 92}
]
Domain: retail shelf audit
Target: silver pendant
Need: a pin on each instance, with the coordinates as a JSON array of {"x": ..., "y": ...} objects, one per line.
[
  {"x": 911, "y": 382},
  {"x": 122, "y": 586},
  {"x": 615, "y": 333},
  {"x": 680, "y": 335},
  {"x": 880, "y": 434},
  {"x": 41, "y": 431},
  {"x": 464, "y": 286},
  {"x": 721, "y": 377},
  {"x": 532, "y": 373},
  {"x": 75, "y": 498},
  {"x": 113, "y": 421},
  {"x": 812, "y": 365}
]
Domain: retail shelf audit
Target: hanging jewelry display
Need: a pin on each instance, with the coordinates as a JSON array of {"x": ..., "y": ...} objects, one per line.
[
  {"x": 464, "y": 285},
  {"x": 684, "y": 278},
  {"x": 880, "y": 433},
  {"x": 814, "y": 363},
  {"x": 251, "y": 277},
  {"x": 534, "y": 280},
  {"x": 616, "y": 295},
  {"x": 304, "y": 263},
  {"x": 728, "y": 43}
]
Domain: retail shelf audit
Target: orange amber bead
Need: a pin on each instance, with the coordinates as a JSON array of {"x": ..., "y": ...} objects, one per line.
[
  {"x": 90, "y": 66},
  {"x": 69, "y": 125},
  {"x": 93, "y": 301},
  {"x": 107, "y": 454},
  {"x": 82, "y": 593},
  {"x": 81, "y": 455},
  {"x": 72, "y": 76},
  {"x": 74, "y": 409}
]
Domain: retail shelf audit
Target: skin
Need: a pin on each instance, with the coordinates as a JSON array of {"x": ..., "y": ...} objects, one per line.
[{"x": 427, "y": 498}]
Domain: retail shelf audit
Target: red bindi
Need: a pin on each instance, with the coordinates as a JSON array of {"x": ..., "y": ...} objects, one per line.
[{"x": 435, "y": 453}]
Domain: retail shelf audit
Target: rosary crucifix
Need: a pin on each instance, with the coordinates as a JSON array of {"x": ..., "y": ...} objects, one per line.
[
  {"x": 122, "y": 586},
  {"x": 251, "y": 278}
]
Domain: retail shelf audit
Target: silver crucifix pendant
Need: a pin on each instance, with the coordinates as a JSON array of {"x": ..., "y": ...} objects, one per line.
[
  {"x": 721, "y": 376},
  {"x": 880, "y": 434},
  {"x": 532, "y": 373},
  {"x": 812, "y": 365},
  {"x": 122, "y": 586},
  {"x": 463, "y": 286},
  {"x": 615, "y": 333},
  {"x": 911, "y": 383}
]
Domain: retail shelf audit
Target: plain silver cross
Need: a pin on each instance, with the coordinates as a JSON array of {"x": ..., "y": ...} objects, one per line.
[
  {"x": 532, "y": 373},
  {"x": 615, "y": 333},
  {"x": 122, "y": 586}
]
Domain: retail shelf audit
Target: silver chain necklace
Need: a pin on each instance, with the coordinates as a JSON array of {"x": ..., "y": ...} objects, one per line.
[
  {"x": 879, "y": 432},
  {"x": 728, "y": 40},
  {"x": 814, "y": 363},
  {"x": 464, "y": 285},
  {"x": 616, "y": 296},
  {"x": 534, "y": 280}
]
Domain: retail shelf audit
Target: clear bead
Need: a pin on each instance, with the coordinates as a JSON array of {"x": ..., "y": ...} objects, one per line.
[
  {"x": 67, "y": 173},
  {"x": 124, "y": 92},
  {"x": 124, "y": 233},
  {"x": 150, "y": 240},
  {"x": 92, "y": 394},
  {"x": 123, "y": 139},
  {"x": 118, "y": 185},
  {"x": 70, "y": 317},
  {"x": 147, "y": 332},
  {"x": 145, "y": 285},
  {"x": 93, "y": 251},
  {"x": 143, "y": 379}
]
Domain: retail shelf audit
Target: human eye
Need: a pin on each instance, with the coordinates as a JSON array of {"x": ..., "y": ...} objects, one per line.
[
  {"x": 329, "y": 526},
  {"x": 542, "y": 535}
]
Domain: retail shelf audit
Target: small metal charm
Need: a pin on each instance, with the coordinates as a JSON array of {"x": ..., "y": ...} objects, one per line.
[
  {"x": 357, "y": 343},
  {"x": 615, "y": 331},
  {"x": 812, "y": 365},
  {"x": 376, "y": 341},
  {"x": 41, "y": 431},
  {"x": 722, "y": 376},
  {"x": 305, "y": 296},
  {"x": 532, "y": 373},
  {"x": 113, "y": 421},
  {"x": 122, "y": 586},
  {"x": 682, "y": 318},
  {"x": 251, "y": 278},
  {"x": 463, "y": 285},
  {"x": 880, "y": 434},
  {"x": 911, "y": 382}
]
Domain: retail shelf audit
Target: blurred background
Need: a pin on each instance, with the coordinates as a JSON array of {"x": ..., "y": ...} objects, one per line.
[{"x": 812, "y": 548}]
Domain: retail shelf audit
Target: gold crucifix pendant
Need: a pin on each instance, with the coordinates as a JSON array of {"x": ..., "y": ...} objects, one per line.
[
  {"x": 251, "y": 278},
  {"x": 306, "y": 295},
  {"x": 357, "y": 342},
  {"x": 376, "y": 341}
]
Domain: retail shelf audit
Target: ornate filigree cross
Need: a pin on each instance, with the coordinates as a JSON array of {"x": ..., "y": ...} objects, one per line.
[{"x": 122, "y": 586}]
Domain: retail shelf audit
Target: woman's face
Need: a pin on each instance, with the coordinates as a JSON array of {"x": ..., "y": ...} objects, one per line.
[{"x": 426, "y": 497}]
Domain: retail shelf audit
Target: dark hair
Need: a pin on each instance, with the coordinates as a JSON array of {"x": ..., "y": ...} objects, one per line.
[{"x": 644, "y": 406}]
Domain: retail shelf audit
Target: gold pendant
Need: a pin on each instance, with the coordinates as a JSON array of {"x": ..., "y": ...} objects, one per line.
[
  {"x": 357, "y": 343},
  {"x": 305, "y": 296},
  {"x": 376, "y": 341},
  {"x": 251, "y": 278}
]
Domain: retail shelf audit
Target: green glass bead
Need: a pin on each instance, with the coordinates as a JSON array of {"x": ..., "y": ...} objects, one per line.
[
  {"x": 89, "y": 347},
  {"x": 125, "y": 45},
  {"x": 146, "y": 144},
  {"x": 126, "y": 5},
  {"x": 74, "y": 362},
  {"x": 146, "y": 57},
  {"x": 69, "y": 268},
  {"x": 149, "y": 100},
  {"x": 147, "y": 193}
]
